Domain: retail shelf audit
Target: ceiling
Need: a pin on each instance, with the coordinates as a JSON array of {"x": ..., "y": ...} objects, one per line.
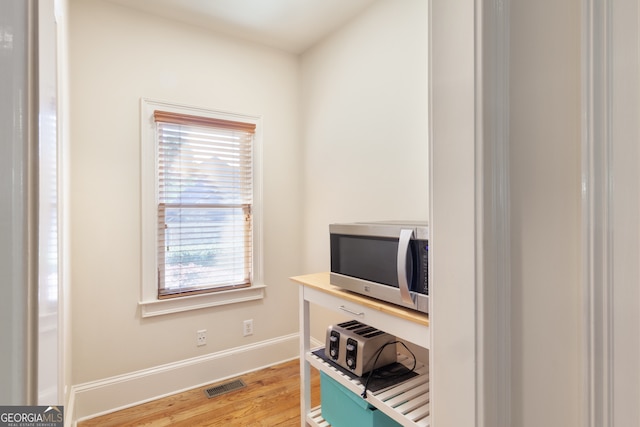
[{"x": 290, "y": 25}]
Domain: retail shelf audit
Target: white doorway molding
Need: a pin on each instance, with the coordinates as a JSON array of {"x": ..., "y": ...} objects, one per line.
[
  {"x": 611, "y": 212},
  {"x": 470, "y": 360}
]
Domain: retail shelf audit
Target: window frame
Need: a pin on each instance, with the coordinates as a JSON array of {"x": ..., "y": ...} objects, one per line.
[{"x": 150, "y": 304}]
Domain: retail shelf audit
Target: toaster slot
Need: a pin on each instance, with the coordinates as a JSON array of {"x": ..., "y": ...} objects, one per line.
[
  {"x": 355, "y": 326},
  {"x": 365, "y": 331},
  {"x": 348, "y": 324},
  {"x": 375, "y": 334}
]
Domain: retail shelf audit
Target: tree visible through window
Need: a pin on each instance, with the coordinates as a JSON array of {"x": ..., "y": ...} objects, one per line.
[{"x": 204, "y": 203}]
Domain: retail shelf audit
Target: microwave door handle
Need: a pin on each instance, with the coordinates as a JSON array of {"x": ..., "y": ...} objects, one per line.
[{"x": 403, "y": 250}]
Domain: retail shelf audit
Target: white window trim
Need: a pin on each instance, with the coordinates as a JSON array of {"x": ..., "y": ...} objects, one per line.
[{"x": 150, "y": 304}]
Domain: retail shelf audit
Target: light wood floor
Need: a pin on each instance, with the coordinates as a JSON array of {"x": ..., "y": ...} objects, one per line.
[{"x": 271, "y": 398}]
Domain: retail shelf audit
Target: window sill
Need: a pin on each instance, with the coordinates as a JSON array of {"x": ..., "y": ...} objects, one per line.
[{"x": 158, "y": 307}]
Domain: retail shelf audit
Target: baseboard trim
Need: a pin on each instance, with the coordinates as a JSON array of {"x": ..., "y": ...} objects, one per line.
[{"x": 100, "y": 397}]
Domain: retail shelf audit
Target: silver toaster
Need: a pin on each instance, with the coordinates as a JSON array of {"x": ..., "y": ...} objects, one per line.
[{"x": 355, "y": 346}]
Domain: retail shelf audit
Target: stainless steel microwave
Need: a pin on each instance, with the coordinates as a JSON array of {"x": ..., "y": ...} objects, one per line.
[{"x": 387, "y": 260}]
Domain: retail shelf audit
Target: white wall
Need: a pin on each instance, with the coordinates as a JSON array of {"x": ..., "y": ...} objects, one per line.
[
  {"x": 365, "y": 124},
  {"x": 117, "y": 56},
  {"x": 544, "y": 125}
]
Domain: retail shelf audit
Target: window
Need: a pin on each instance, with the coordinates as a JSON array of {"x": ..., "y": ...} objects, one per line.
[{"x": 200, "y": 208}]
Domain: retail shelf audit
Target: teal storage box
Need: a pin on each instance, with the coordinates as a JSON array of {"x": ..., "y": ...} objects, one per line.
[{"x": 343, "y": 408}]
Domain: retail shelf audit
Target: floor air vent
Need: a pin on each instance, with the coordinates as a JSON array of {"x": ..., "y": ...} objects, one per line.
[{"x": 224, "y": 388}]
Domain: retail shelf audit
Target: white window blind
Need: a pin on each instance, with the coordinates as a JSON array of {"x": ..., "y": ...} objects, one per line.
[{"x": 205, "y": 189}]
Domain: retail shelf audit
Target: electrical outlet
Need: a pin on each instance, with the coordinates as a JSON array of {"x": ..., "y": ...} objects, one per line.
[
  {"x": 201, "y": 337},
  {"x": 247, "y": 327}
]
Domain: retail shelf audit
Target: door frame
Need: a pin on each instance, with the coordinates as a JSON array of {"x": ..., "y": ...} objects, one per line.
[{"x": 611, "y": 207}]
